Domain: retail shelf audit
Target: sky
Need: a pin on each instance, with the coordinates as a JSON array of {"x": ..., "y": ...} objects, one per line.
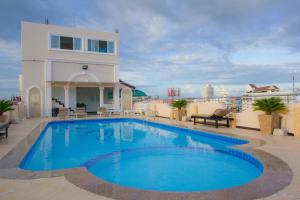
[{"x": 173, "y": 43}]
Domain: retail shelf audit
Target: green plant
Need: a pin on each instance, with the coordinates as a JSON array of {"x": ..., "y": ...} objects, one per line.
[
  {"x": 5, "y": 105},
  {"x": 80, "y": 105},
  {"x": 179, "y": 104},
  {"x": 270, "y": 105}
]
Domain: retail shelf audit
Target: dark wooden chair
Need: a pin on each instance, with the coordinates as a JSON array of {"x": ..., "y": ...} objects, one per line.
[
  {"x": 4, "y": 129},
  {"x": 219, "y": 115}
]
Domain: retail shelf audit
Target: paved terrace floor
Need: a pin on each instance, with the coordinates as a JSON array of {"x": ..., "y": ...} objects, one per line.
[{"x": 286, "y": 148}]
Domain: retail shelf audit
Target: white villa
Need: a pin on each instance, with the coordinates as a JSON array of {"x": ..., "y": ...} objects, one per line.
[
  {"x": 70, "y": 66},
  {"x": 254, "y": 92}
]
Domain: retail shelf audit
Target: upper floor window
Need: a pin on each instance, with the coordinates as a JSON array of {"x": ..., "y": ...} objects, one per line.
[
  {"x": 63, "y": 42},
  {"x": 101, "y": 46}
]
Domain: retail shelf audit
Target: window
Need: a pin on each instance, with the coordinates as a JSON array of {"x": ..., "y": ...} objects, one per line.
[
  {"x": 101, "y": 46},
  {"x": 111, "y": 47},
  {"x": 54, "y": 41},
  {"x": 77, "y": 44},
  {"x": 66, "y": 43}
]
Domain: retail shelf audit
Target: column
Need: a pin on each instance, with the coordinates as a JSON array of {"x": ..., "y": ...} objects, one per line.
[
  {"x": 47, "y": 107},
  {"x": 116, "y": 96},
  {"x": 116, "y": 73},
  {"x": 101, "y": 96},
  {"x": 67, "y": 100},
  {"x": 48, "y": 100}
]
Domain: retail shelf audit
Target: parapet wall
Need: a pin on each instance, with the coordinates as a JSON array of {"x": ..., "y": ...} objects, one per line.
[
  {"x": 296, "y": 120},
  {"x": 247, "y": 118}
]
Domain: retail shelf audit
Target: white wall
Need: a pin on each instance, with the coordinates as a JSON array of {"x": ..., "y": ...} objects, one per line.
[
  {"x": 163, "y": 109},
  {"x": 33, "y": 76},
  {"x": 70, "y": 71},
  {"x": 21, "y": 92},
  {"x": 247, "y": 118},
  {"x": 191, "y": 109},
  {"x": 35, "y": 39},
  {"x": 208, "y": 108},
  {"x": 141, "y": 106}
]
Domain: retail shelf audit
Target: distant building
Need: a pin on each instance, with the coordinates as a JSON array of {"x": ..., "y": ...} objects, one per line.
[
  {"x": 252, "y": 88},
  {"x": 254, "y": 92},
  {"x": 222, "y": 92},
  {"x": 208, "y": 91}
]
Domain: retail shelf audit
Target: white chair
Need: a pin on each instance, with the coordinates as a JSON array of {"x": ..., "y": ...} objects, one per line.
[
  {"x": 139, "y": 112},
  {"x": 114, "y": 111},
  {"x": 151, "y": 114},
  {"x": 103, "y": 111},
  {"x": 129, "y": 112}
]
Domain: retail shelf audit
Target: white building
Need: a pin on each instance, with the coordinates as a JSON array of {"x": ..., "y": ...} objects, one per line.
[
  {"x": 254, "y": 92},
  {"x": 208, "y": 91},
  {"x": 222, "y": 92},
  {"x": 70, "y": 65},
  {"x": 252, "y": 88}
]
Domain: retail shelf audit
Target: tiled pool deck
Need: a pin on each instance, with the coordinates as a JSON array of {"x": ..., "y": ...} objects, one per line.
[{"x": 30, "y": 185}]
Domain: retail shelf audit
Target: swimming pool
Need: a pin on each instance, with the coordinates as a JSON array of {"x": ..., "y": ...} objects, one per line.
[{"x": 143, "y": 155}]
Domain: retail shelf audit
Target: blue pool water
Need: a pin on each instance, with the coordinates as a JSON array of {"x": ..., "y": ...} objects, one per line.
[{"x": 143, "y": 155}]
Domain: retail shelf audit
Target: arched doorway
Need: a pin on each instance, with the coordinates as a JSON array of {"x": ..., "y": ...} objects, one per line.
[
  {"x": 126, "y": 99},
  {"x": 34, "y": 102}
]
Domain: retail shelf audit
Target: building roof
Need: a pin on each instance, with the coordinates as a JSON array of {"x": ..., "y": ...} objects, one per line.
[
  {"x": 126, "y": 84},
  {"x": 139, "y": 93},
  {"x": 267, "y": 88}
]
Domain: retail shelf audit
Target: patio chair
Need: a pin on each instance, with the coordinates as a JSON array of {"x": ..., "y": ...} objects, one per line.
[
  {"x": 151, "y": 114},
  {"x": 103, "y": 111},
  {"x": 140, "y": 112},
  {"x": 115, "y": 112},
  {"x": 4, "y": 128},
  {"x": 80, "y": 112},
  {"x": 63, "y": 113},
  {"x": 128, "y": 112},
  {"x": 217, "y": 116},
  {"x": 137, "y": 112}
]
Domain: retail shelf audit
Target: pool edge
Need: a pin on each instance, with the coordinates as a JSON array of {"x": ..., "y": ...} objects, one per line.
[{"x": 276, "y": 176}]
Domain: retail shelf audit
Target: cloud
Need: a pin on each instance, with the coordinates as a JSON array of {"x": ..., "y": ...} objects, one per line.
[
  {"x": 10, "y": 67},
  {"x": 177, "y": 43},
  {"x": 10, "y": 51}
]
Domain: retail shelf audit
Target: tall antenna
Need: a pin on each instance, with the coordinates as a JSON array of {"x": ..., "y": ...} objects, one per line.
[
  {"x": 294, "y": 96},
  {"x": 46, "y": 20},
  {"x": 293, "y": 73}
]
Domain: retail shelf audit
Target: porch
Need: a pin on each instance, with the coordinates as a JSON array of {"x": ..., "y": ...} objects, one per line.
[{"x": 90, "y": 95}]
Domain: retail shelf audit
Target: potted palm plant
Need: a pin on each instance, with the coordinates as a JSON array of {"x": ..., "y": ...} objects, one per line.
[
  {"x": 179, "y": 104},
  {"x": 271, "y": 119},
  {"x": 5, "y": 106},
  {"x": 80, "y": 105}
]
